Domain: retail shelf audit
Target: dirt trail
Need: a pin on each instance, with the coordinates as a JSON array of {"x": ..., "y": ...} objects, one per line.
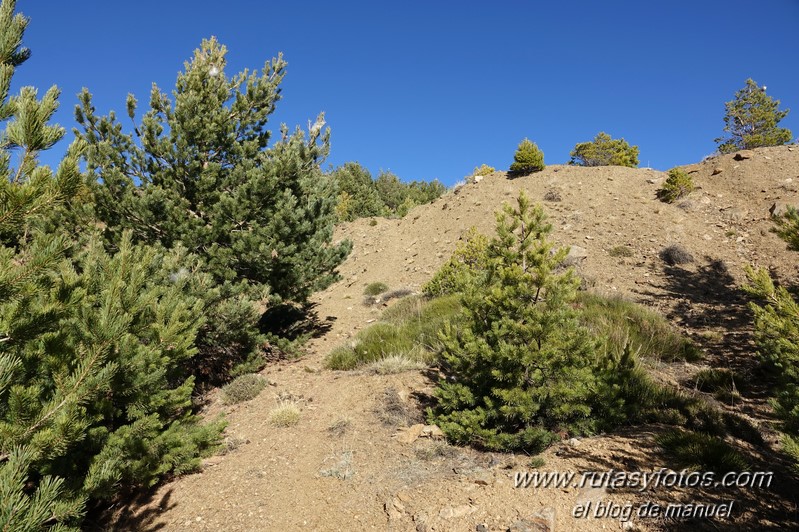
[{"x": 368, "y": 475}]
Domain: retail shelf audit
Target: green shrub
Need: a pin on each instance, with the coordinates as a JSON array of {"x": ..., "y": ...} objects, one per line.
[
  {"x": 243, "y": 388},
  {"x": 677, "y": 185},
  {"x": 605, "y": 151},
  {"x": 374, "y": 289},
  {"x": 482, "y": 170},
  {"x": 720, "y": 382},
  {"x": 470, "y": 258},
  {"x": 527, "y": 159}
]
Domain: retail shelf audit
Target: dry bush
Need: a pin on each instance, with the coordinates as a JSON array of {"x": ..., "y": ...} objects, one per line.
[
  {"x": 676, "y": 254},
  {"x": 243, "y": 388}
]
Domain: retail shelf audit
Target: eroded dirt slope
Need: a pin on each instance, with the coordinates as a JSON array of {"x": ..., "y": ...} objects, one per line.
[{"x": 369, "y": 474}]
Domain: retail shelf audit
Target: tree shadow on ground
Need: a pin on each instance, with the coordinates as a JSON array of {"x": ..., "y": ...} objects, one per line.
[
  {"x": 137, "y": 511},
  {"x": 293, "y": 322}
]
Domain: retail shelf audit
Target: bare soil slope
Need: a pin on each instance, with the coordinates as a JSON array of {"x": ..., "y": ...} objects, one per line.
[{"x": 369, "y": 472}]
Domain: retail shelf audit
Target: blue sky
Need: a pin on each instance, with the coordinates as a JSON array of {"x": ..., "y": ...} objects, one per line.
[{"x": 432, "y": 89}]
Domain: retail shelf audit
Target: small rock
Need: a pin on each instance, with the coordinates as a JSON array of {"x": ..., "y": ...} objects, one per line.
[
  {"x": 744, "y": 154},
  {"x": 481, "y": 477},
  {"x": 410, "y": 434},
  {"x": 717, "y": 170},
  {"x": 457, "y": 511},
  {"x": 432, "y": 432},
  {"x": 543, "y": 521},
  {"x": 574, "y": 442},
  {"x": 478, "y": 178},
  {"x": 482, "y": 527}
]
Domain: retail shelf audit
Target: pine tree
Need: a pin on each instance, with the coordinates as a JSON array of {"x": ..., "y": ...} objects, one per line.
[
  {"x": 605, "y": 151},
  {"x": 94, "y": 348},
  {"x": 776, "y": 320},
  {"x": 518, "y": 365},
  {"x": 199, "y": 170},
  {"x": 751, "y": 121},
  {"x": 527, "y": 159},
  {"x": 358, "y": 195}
]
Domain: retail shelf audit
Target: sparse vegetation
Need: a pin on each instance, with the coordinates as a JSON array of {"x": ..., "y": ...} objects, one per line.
[
  {"x": 677, "y": 185},
  {"x": 393, "y": 411},
  {"x": 552, "y": 195},
  {"x": 408, "y": 330},
  {"x": 374, "y": 289},
  {"x": 718, "y": 381},
  {"x": 482, "y": 170},
  {"x": 621, "y": 251},
  {"x": 527, "y": 159},
  {"x": 287, "y": 413},
  {"x": 339, "y": 427},
  {"x": 675, "y": 254},
  {"x": 393, "y": 364},
  {"x": 751, "y": 121},
  {"x": 619, "y": 323},
  {"x": 697, "y": 451},
  {"x": 342, "y": 467},
  {"x": 605, "y": 151},
  {"x": 243, "y": 388}
]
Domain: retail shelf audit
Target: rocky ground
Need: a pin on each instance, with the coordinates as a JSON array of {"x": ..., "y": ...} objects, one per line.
[{"x": 360, "y": 457}]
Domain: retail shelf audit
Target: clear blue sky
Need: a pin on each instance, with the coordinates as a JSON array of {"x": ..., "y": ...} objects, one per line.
[{"x": 433, "y": 89}]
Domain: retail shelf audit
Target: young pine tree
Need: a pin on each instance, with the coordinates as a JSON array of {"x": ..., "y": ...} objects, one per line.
[
  {"x": 751, "y": 121},
  {"x": 527, "y": 159},
  {"x": 519, "y": 365}
]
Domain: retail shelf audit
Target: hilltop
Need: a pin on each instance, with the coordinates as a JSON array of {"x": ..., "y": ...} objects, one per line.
[{"x": 373, "y": 473}]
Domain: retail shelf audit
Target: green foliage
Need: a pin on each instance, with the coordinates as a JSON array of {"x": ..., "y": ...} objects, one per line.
[
  {"x": 751, "y": 121},
  {"x": 777, "y": 338},
  {"x": 482, "y": 170},
  {"x": 527, "y": 159},
  {"x": 374, "y": 289},
  {"x": 677, "y": 185},
  {"x": 243, "y": 388},
  {"x": 470, "y": 258},
  {"x": 519, "y": 365},
  {"x": 621, "y": 251},
  {"x": 605, "y": 151},
  {"x": 696, "y": 451},
  {"x": 788, "y": 227},
  {"x": 95, "y": 349},
  {"x": 409, "y": 329},
  {"x": 621, "y": 323},
  {"x": 361, "y": 196},
  {"x": 358, "y": 196}
]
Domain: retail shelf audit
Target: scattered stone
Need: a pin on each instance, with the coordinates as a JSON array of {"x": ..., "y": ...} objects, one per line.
[
  {"x": 482, "y": 527},
  {"x": 574, "y": 442},
  {"x": 543, "y": 521},
  {"x": 744, "y": 154},
  {"x": 457, "y": 511},
  {"x": 717, "y": 170},
  {"x": 410, "y": 434},
  {"x": 482, "y": 477},
  {"x": 691, "y": 168},
  {"x": 478, "y": 178}
]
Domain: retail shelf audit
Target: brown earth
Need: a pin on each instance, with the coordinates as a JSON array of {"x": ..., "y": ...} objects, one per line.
[{"x": 371, "y": 475}]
